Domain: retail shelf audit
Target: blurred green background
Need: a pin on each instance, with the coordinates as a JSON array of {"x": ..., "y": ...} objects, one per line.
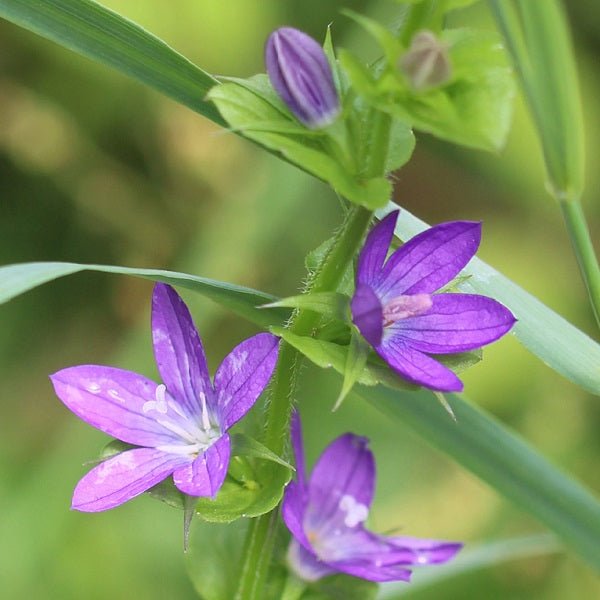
[{"x": 96, "y": 168}]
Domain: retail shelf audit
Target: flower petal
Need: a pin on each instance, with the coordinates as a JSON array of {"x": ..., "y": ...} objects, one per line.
[
  {"x": 243, "y": 375},
  {"x": 429, "y": 260},
  {"x": 205, "y": 476},
  {"x": 292, "y": 512},
  {"x": 372, "y": 256},
  {"x": 298, "y": 448},
  {"x": 305, "y": 564},
  {"x": 367, "y": 314},
  {"x": 178, "y": 350},
  {"x": 115, "y": 401},
  {"x": 341, "y": 487},
  {"x": 416, "y": 367},
  {"x": 427, "y": 552},
  {"x": 366, "y": 569},
  {"x": 301, "y": 75},
  {"x": 456, "y": 323},
  {"x": 123, "y": 477}
]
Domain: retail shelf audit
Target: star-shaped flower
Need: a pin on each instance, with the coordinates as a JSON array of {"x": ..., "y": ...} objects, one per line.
[
  {"x": 180, "y": 425},
  {"x": 397, "y": 311},
  {"x": 326, "y": 515}
]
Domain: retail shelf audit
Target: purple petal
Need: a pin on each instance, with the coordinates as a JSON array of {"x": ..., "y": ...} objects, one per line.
[
  {"x": 118, "y": 402},
  {"x": 243, "y": 375},
  {"x": 377, "y": 244},
  {"x": 365, "y": 569},
  {"x": 298, "y": 448},
  {"x": 341, "y": 486},
  {"x": 367, "y": 314},
  {"x": 455, "y": 323},
  {"x": 305, "y": 564},
  {"x": 427, "y": 552},
  {"x": 429, "y": 260},
  {"x": 123, "y": 477},
  {"x": 417, "y": 367},
  {"x": 205, "y": 476},
  {"x": 178, "y": 350},
  {"x": 292, "y": 512},
  {"x": 301, "y": 75}
]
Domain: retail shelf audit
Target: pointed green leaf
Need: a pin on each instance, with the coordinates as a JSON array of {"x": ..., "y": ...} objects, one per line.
[
  {"x": 328, "y": 304},
  {"x": 244, "y": 445},
  {"x": 356, "y": 361},
  {"x": 94, "y": 31},
  {"x": 16, "y": 279}
]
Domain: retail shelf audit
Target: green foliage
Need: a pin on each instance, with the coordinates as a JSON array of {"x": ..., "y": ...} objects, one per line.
[
  {"x": 252, "y": 109},
  {"x": 473, "y": 108},
  {"x": 537, "y": 37},
  {"x": 106, "y": 37},
  {"x": 341, "y": 587},
  {"x": 251, "y": 495}
]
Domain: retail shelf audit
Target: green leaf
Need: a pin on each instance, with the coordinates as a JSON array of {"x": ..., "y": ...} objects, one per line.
[
  {"x": 328, "y": 355},
  {"x": 16, "y": 279},
  {"x": 478, "y": 442},
  {"x": 328, "y": 304},
  {"x": 542, "y": 331},
  {"x": 108, "y": 38},
  {"x": 537, "y": 37},
  {"x": 250, "y": 498},
  {"x": 475, "y": 107},
  {"x": 244, "y": 445},
  {"x": 356, "y": 361},
  {"x": 250, "y": 108}
]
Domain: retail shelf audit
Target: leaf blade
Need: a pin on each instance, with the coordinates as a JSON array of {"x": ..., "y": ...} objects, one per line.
[{"x": 100, "y": 34}]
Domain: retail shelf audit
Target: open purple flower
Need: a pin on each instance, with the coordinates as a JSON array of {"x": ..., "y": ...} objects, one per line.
[
  {"x": 326, "y": 516},
  {"x": 180, "y": 425},
  {"x": 301, "y": 75},
  {"x": 397, "y": 312}
]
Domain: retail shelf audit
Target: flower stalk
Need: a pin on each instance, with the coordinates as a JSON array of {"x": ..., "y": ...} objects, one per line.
[{"x": 583, "y": 248}]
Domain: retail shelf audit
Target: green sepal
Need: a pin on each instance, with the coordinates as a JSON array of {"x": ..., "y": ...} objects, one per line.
[
  {"x": 329, "y": 304},
  {"x": 255, "y": 493}
]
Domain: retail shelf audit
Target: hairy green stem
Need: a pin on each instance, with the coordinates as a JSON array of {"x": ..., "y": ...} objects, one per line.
[
  {"x": 584, "y": 251},
  {"x": 260, "y": 539}
]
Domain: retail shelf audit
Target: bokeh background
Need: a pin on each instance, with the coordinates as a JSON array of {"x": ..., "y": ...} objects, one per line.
[{"x": 97, "y": 168}]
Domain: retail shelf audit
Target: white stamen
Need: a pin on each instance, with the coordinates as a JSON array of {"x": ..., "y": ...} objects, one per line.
[
  {"x": 176, "y": 429},
  {"x": 205, "y": 417},
  {"x": 355, "y": 511},
  {"x": 160, "y": 404}
]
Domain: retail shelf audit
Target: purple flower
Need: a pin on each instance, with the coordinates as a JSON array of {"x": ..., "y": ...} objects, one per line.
[
  {"x": 326, "y": 516},
  {"x": 180, "y": 425},
  {"x": 301, "y": 75},
  {"x": 397, "y": 312}
]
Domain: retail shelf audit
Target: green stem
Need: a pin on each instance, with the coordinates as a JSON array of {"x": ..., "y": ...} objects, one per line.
[
  {"x": 260, "y": 539},
  {"x": 584, "y": 251}
]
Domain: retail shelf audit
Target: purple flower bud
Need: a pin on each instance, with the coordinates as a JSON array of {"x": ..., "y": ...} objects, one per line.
[{"x": 301, "y": 75}]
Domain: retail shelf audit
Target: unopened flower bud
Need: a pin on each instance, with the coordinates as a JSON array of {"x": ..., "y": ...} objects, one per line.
[
  {"x": 301, "y": 75},
  {"x": 426, "y": 64}
]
